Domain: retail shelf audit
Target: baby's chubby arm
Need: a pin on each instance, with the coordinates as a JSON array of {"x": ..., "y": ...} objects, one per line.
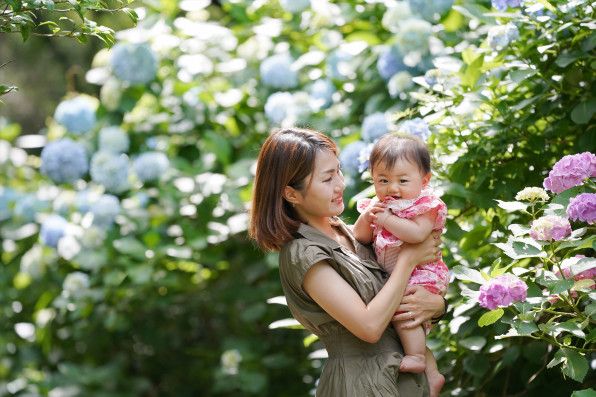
[
  {"x": 408, "y": 230},
  {"x": 362, "y": 228}
]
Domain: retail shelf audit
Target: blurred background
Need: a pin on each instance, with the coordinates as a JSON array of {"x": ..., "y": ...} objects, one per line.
[{"x": 126, "y": 165}]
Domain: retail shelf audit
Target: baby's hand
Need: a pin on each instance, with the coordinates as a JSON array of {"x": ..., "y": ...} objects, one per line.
[
  {"x": 381, "y": 217},
  {"x": 370, "y": 215}
]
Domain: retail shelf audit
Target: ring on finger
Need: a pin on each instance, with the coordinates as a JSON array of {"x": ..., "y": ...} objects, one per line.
[{"x": 411, "y": 317}]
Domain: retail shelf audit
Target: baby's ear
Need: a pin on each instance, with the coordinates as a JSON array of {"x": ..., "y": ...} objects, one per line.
[{"x": 426, "y": 179}]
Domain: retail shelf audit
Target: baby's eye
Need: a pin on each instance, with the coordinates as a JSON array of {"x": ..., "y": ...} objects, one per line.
[{"x": 403, "y": 180}]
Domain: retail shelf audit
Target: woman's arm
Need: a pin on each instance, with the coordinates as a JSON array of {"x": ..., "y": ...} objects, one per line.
[
  {"x": 408, "y": 230},
  {"x": 342, "y": 302}
]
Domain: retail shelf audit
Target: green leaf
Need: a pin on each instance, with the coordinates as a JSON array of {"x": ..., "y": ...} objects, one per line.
[
  {"x": 511, "y": 206},
  {"x": 134, "y": 17},
  {"x": 140, "y": 274},
  {"x": 467, "y": 274},
  {"x": 130, "y": 246},
  {"x": 525, "y": 328},
  {"x": 521, "y": 248},
  {"x": 16, "y": 5},
  {"x": 584, "y": 393},
  {"x": 575, "y": 365},
  {"x": 584, "y": 111},
  {"x": 474, "y": 343},
  {"x": 475, "y": 11},
  {"x": 567, "y": 58},
  {"x": 548, "y": 5},
  {"x": 476, "y": 365},
  {"x": 491, "y": 317}
]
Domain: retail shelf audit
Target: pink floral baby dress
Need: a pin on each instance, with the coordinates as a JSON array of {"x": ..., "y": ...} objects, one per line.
[{"x": 432, "y": 276}]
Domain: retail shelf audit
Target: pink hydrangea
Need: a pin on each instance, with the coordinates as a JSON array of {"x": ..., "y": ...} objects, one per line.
[
  {"x": 502, "y": 291},
  {"x": 589, "y": 274},
  {"x": 550, "y": 227},
  {"x": 583, "y": 208},
  {"x": 571, "y": 171}
]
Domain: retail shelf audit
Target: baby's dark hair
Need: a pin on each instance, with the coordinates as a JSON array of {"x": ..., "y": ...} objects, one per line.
[{"x": 398, "y": 146}]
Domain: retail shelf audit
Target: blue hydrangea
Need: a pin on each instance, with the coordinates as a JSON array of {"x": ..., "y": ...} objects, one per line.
[
  {"x": 278, "y": 106},
  {"x": 110, "y": 170},
  {"x": 135, "y": 64},
  {"x": 417, "y": 127},
  {"x": 77, "y": 115},
  {"x": 64, "y": 161},
  {"x": 500, "y": 36},
  {"x": 276, "y": 71},
  {"x": 113, "y": 139},
  {"x": 413, "y": 36},
  {"x": 337, "y": 66},
  {"x": 348, "y": 156},
  {"x": 502, "y": 5},
  {"x": 84, "y": 199},
  {"x": 150, "y": 166},
  {"x": 104, "y": 210},
  {"x": 428, "y": 9},
  {"x": 295, "y": 6},
  {"x": 52, "y": 229},
  {"x": 8, "y": 198},
  {"x": 390, "y": 62},
  {"x": 374, "y": 126},
  {"x": 321, "y": 93},
  {"x": 364, "y": 156},
  {"x": 27, "y": 206}
]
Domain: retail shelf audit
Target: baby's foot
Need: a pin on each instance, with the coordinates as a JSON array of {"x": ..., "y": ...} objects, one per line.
[
  {"x": 436, "y": 382},
  {"x": 413, "y": 363}
]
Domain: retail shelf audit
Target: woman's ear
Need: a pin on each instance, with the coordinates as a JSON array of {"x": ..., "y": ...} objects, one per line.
[{"x": 290, "y": 195}]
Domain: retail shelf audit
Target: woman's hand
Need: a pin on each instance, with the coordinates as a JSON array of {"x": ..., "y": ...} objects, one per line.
[{"x": 422, "y": 304}]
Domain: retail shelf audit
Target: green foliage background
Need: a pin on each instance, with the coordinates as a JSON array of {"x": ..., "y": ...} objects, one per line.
[{"x": 180, "y": 284}]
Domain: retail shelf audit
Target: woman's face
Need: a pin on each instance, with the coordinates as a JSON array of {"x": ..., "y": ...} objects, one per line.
[{"x": 323, "y": 196}]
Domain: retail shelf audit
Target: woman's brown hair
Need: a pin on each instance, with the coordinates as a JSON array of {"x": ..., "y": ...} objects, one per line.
[{"x": 287, "y": 158}]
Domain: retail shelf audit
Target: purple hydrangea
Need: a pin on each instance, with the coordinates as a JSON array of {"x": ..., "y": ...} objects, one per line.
[
  {"x": 571, "y": 171},
  {"x": 589, "y": 274},
  {"x": 417, "y": 127},
  {"x": 64, "y": 161},
  {"x": 501, "y": 5},
  {"x": 134, "y": 64},
  {"x": 550, "y": 227},
  {"x": 502, "y": 291},
  {"x": 583, "y": 208},
  {"x": 349, "y": 156},
  {"x": 276, "y": 71},
  {"x": 52, "y": 229},
  {"x": 77, "y": 115},
  {"x": 374, "y": 126}
]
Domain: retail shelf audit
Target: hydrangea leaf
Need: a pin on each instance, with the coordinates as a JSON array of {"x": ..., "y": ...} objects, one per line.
[
  {"x": 491, "y": 317},
  {"x": 511, "y": 206},
  {"x": 584, "y": 112},
  {"x": 467, "y": 274},
  {"x": 476, "y": 365},
  {"x": 575, "y": 365},
  {"x": 474, "y": 343}
]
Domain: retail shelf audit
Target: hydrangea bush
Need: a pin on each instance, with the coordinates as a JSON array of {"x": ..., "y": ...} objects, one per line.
[{"x": 547, "y": 291}]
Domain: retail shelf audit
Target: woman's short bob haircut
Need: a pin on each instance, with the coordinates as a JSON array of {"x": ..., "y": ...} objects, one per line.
[
  {"x": 400, "y": 146},
  {"x": 287, "y": 158}
]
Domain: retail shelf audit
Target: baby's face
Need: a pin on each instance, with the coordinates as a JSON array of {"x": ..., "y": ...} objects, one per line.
[{"x": 402, "y": 181}]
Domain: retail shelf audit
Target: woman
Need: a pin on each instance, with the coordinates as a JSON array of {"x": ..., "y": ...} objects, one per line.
[{"x": 332, "y": 284}]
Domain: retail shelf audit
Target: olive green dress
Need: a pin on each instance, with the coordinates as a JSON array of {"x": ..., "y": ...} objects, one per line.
[{"x": 355, "y": 368}]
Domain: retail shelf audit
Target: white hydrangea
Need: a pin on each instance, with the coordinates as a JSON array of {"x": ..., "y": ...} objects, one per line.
[
  {"x": 150, "y": 166},
  {"x": 413, "y": 36},
  {"x": 110, "y": 170},
  {"x": 134, "y": 64},
  {"x": 104, "y": 210},
  {"x": 75, "y": 285},
  {"x": 230, "y": 361}
]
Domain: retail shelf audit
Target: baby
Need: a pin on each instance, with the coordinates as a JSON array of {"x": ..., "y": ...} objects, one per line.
[{"x": 405, "y": 209}]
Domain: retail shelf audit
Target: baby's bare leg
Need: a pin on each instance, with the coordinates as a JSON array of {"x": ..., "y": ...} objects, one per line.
[
  {"x": 414, "y": 343},
  {"x": 435, "y": 379}
]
